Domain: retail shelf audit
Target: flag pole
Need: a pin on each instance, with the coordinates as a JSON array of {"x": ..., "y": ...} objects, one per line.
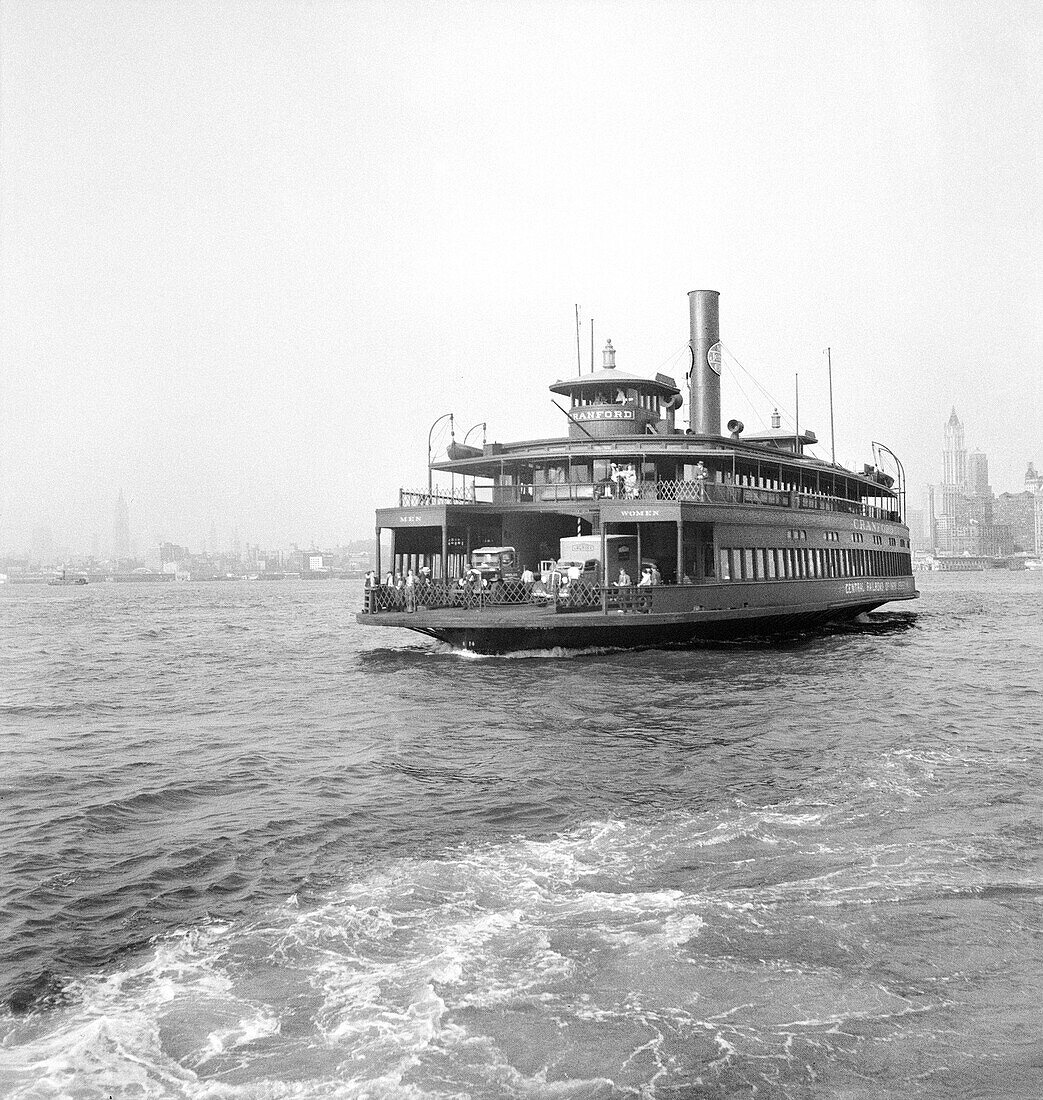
[{"x": 832, "y": 435}]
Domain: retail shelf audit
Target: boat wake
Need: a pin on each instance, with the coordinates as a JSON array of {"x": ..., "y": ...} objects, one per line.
[
  {"x": 715, "y": 951},
  {"x": 554, "y": 653},
  {"x": 879, "y": 622}
]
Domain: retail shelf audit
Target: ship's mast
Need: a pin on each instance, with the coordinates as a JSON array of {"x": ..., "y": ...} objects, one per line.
[{"x": 832, "y": 436}]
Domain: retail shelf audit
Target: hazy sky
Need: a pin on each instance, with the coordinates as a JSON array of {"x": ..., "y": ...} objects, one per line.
[{"x": 250, "y": 250}]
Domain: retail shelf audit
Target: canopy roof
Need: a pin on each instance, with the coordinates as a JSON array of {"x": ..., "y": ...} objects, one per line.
[{"x": 620, "y": 379}]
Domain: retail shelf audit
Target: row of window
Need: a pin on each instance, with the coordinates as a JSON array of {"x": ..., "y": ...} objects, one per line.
[
  {"x": 616, "y": 395},
  {"x": 784, "y": 562},
  {"x": 834, "y": 536}
]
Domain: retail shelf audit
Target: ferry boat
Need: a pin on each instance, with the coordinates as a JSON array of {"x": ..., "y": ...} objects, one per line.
[{"x": 634, "y": 530}]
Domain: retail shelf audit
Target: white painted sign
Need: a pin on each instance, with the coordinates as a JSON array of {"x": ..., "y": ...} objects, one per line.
[
  {"x": 867, "y": 525},
  {"x": 713, "y": 358},
  {"x": 604, "y": 414},
  {"x": 891, "y": 584}
]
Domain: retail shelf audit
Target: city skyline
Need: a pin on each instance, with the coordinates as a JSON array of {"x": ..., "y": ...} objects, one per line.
[
  {"x": 223, "y": 535},
  {"x": 125, "y": 540},
  {"x": 962, "y": 515}
]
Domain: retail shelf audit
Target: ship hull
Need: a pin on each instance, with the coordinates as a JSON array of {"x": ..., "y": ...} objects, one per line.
[{"x": 493, "y": 630}]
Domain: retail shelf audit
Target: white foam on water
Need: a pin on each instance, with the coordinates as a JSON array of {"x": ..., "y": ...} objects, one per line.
[
  {"x": 551, "y": 967},
  {"x": 111, "y": 1033},
  {"x": 791, "y": 820},
  {"x": 262, "y": 1024},
  {"x": 498, "y": 930},
  {"x": 553, "y": 653}
]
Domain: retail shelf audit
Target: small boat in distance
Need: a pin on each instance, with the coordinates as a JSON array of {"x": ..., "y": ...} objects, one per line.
[
  {"x": 67, "y": 578},
  {"x": 634, "y": 530}
]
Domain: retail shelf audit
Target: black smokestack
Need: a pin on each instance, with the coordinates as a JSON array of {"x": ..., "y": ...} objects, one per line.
[{"x": 704, "y": 384}]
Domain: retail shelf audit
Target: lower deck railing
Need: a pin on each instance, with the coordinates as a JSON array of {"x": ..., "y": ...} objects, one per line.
[
  {"x": 435, "y": 595},
  {"x": 474, "y": 596},
  {"x": 582, "y": 597}
]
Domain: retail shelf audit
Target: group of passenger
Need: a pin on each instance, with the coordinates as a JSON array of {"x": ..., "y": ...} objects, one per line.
[
  {"x": 415, "y": 588},
  {"x": 401, "y": 591},
  {"x": 412, "y": 589},
  {"x": 614, "y": 487},
  {"x": 650, "y": 576}
]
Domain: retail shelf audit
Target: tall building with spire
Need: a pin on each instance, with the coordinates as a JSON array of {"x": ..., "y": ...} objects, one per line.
[
  {"x": 962, "y": 520},
  {"x": 954, "y": 454},
  {"x": 953, "y": 530},
  {"x": 121, "y": 529}
]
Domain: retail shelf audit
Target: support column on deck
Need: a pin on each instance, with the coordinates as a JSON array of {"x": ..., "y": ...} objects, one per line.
[
  {"x": 606, "y": 580},
  {"x": 394, "y": 562},
  {"x": 680, "y": 551},
  {"x": 378, "y": 556},
  {"x": 445, "y": 551}
]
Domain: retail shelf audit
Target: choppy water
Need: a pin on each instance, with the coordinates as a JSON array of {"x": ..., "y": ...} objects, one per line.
[{"x": 250, "y": 849}]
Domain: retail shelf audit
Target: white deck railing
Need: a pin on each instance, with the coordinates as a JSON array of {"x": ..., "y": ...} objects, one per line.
[{"x": 687, "y": 492}]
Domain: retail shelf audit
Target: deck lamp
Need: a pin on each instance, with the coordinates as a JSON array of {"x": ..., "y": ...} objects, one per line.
[
  {"x": 481, "y": 424},
  {"x": 444, "y": 416}
]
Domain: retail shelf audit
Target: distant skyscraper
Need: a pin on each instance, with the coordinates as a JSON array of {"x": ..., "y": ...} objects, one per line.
[
  {"x": 121, "y": 529},
  {"x": 1017, "y": 512},
  {"x": 979, "y": 491},
  {"x": 1034, "y": 485},
  {"x": 954, "y": 455},
  {"x": 950, "y": 511},
  {"x": 977, "y": 474},
  {"x": 930, "y": 519}
]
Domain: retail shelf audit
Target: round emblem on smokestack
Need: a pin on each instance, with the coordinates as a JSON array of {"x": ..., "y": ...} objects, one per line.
[{"x": 713, "y": 358}]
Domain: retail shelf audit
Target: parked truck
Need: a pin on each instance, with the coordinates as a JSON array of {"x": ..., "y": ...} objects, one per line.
[
  {"x": 583, "y": 553},
  {"x": 496, "y": 563},
  {"x": 581, "y": 571}
]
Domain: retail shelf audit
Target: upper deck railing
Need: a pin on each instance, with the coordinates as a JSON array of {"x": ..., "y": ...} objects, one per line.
[
  {"x": 689, "y": 492},
  {"x": 418, "y": 498}
]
